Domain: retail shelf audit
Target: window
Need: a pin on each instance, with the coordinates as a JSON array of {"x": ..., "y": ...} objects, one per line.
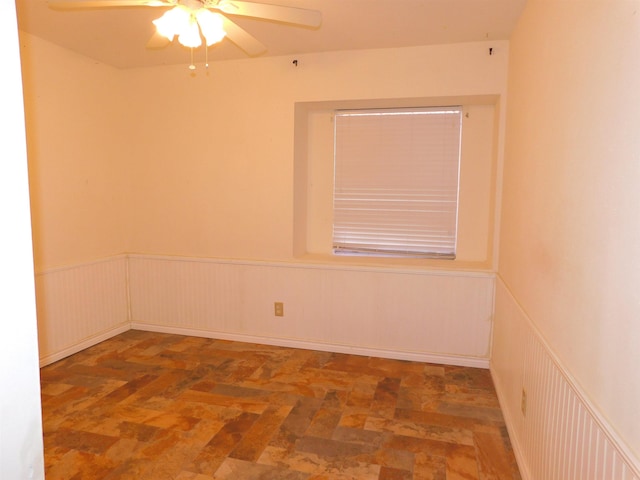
[{"x": 396, "y": 182}]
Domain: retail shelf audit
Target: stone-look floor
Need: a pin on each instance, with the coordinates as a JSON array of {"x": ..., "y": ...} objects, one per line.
[{"x": 150, "y": 406}]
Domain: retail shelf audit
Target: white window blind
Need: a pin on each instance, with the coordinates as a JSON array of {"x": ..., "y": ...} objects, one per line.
[{"x": 396, "y": 181}]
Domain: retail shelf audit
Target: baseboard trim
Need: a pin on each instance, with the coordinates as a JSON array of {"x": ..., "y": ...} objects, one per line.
[
  {"x": 514, "y": 438},
  {"x": 326, "y": 347},
  {"x": 86, "y": 343}
]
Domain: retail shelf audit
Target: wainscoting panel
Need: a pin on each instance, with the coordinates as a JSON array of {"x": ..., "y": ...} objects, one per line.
[
  {"x": 557, "y": 434},
  {"x": 416, "y": 315},
  {"x": 80, "y": 305}
]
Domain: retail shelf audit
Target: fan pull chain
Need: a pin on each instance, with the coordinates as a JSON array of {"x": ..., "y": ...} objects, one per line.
[
  {"x": 192, "y": 66},
  {"x": 206, "y": 57}
]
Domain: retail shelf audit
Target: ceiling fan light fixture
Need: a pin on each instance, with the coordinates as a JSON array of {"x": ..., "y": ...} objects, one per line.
[
  {"x": 186, "y": 23},
  {"x": 188, "y": 19},
  {"x": 190, "y": 34},
  {"x": 173, "y": 22},
  {"x": 211, "y": 25}
]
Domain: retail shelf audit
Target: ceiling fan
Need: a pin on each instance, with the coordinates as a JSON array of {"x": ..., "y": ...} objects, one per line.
[{"x": 188, "y": 19}]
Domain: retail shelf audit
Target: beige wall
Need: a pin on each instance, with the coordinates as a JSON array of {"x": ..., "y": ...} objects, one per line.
[
  {"x": 162, "y": 161},
  {"x": 214, "y": 163},
  {"x": 79, "y": 152},
  {"x": 201, "y": 173},
  {"x": 570, "y": 238}
]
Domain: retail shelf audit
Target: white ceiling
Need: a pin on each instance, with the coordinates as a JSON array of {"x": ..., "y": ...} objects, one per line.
[{"x": 118, "y": 36}]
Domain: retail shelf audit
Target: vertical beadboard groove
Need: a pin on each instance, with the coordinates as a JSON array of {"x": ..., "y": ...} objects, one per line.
[
  {"x": 561, "y": 437},
  {"x": 80, "y": 305},
  {"x": 447, "y": 315}
]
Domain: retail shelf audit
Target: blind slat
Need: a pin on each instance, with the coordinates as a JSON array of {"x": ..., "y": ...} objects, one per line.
[{"x": 396, "y": 181}]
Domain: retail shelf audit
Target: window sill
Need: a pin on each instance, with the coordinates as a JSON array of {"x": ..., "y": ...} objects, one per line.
[{"x": 404, "y": 263}]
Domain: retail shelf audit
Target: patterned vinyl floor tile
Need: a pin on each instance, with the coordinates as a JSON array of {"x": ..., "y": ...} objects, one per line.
[{"x": 153, "y": 406}]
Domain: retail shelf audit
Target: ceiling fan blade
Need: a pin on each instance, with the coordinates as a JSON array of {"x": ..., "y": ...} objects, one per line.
[
  {"x": 79, "y": 4},
  {"x": 279, "y": 13},
  {"x": 242, "y": 38},
  {"x": 158, "y": 41}
]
